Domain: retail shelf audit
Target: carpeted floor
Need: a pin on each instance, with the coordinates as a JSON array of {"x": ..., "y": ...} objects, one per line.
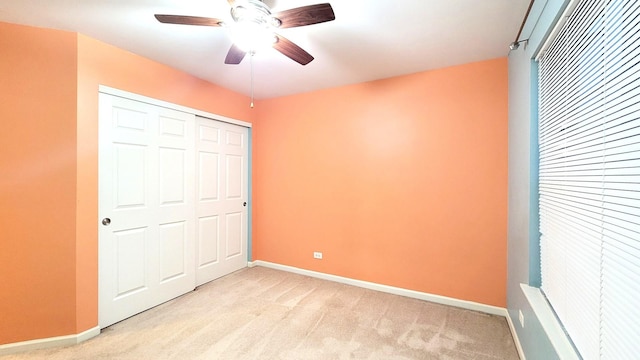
[{"x": 260, "y": 313}]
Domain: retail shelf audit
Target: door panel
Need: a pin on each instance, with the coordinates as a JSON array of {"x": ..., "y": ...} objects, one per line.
[
  {"x": 234, "y": 177},
  {"x": 208, "y": 239},
  {"x": 130, "y": 259},
  {"x": 222, "y": 217},
  {"x": 146, "y": 175},
  {"x": 173, "y": 243},
  {"x": 234, "y": 234},
  {"x": 208, "y": 176},
  {"x": 129, "y": 167}
]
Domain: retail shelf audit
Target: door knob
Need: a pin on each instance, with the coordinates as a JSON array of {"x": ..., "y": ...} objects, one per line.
[
  {"x": 244, "y": 203},
  {"x": 106, "y": 221}
]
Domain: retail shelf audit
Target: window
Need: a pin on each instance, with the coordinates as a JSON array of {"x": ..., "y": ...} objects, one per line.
[{"x": 589, "y": 176}]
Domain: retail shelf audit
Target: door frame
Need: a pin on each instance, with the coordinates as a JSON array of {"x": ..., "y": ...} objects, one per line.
[{"x": 141, "y": 98}]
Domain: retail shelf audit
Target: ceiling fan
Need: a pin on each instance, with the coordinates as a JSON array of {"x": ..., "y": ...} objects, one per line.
[{"x": 254, "y": 26}]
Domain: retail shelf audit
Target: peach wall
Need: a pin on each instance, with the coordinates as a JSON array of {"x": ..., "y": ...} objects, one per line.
[
  {"x": 37, "y": 183},
  {"x": 48, "y": 208},
  {"x": 400, "y": 181}
]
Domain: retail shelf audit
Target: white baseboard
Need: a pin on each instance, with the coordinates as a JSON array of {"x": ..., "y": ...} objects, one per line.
[
  {"x": 464, "y": 304},
  {"x": 516, "y": 340},
  {"x": 469, "y": 305},
  {"x": 47, "y": 343}
]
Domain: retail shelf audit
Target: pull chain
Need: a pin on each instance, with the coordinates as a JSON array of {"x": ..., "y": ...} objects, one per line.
[{"x": 251, "y": 61}]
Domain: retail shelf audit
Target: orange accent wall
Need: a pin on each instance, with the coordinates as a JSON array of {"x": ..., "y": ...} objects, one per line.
[
  {"x": 49, "y": 168},
  {"x": 37, "y": 183},
  {"x": 400, "y": 181}
]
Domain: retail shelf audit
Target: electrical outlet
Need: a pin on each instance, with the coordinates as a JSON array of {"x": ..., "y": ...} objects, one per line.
[
  {"x": 317, "y": 255},
  {"x": 521, "y": 318}
]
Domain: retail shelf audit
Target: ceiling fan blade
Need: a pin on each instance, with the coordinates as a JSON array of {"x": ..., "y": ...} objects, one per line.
[
  {"x": 235, "y": 55},
  {"x": 188, "y": 20},
  {"x": 305, "y": 15},
  {"x": 292, "y": 50}
]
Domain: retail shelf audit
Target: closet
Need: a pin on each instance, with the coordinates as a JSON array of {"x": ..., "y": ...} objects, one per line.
[{"x": 173, "y": 193}]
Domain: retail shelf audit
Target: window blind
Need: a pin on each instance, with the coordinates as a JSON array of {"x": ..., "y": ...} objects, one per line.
[{"x": 589, "y": 177}]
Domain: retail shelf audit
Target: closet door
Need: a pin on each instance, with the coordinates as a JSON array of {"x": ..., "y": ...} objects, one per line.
[
  {"x": 146, "y": 206},
  {"x": 221, "y": 201}
]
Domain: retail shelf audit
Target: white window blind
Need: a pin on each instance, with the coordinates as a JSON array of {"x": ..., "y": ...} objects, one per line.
[{"x": 589, "y": 176}]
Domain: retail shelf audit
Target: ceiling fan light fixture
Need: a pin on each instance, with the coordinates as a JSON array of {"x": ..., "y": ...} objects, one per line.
[
  {"x": 253, "y": 28},
  {"x": 252, "y": 37}
]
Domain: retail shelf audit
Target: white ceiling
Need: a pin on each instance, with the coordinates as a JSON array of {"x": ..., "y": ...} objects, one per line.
[{"x": 369, "y": 40}]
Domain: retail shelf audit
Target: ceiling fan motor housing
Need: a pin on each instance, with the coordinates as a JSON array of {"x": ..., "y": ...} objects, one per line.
[{"x": 254, "y": 11}]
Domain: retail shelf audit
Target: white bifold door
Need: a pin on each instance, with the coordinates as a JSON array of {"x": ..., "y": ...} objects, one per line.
[{"x": 172, "y": 204}]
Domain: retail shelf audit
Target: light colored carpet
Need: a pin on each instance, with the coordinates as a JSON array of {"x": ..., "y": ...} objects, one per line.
[{"x": 260, "y": 313}]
